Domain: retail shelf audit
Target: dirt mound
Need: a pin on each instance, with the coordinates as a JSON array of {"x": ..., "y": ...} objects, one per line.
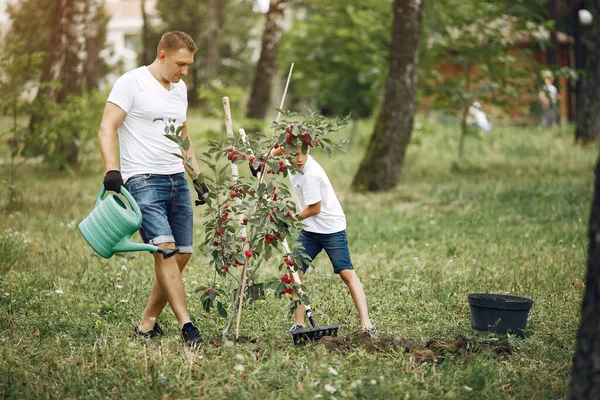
[{"x": 434, "y": 350}]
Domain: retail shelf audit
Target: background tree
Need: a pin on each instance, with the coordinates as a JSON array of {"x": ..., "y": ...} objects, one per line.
[
  {"x": 266, "y": 68},
  {"x": 588, "y": 99},
  {"x": 585, "y": 375},
  {"x": 17, "y": 69},
  {"x": 71, "y": 33},
  {"x": 489, "y": 59},
  {"x": 340, "y": 52},
  {"x": 382, "y": 164}
]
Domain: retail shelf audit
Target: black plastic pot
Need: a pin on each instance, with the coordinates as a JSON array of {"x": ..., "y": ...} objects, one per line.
[{"x": 499, "y": 313}]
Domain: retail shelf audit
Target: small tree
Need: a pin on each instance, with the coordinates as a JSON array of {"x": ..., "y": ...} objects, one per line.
[
  {"x": 247, "y": 219},
  {"x": 17, "y": 69},
  {"x": 485, "y": 51}
]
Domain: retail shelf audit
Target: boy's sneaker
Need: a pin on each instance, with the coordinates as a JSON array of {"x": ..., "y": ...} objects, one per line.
[
  {"x": 152, "y": 333},
  {"x": 191, "y": 335},
  {"x": 295, "y": 327},
  {"x": 372, "y": 331}
]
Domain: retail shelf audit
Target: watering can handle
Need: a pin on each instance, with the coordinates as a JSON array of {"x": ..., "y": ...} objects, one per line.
[{"x": 129, "y": 198}]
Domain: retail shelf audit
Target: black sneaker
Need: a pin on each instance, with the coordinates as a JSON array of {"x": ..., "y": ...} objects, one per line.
[
  {"x": 152, "y": 333},
  {"x": 191, "y": 335}
]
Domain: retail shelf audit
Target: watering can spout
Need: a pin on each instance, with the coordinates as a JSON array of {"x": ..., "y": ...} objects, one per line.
[{"x": 127, "y": 245}]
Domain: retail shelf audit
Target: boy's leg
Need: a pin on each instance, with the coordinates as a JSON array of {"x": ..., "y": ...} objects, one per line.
[
  {"x": 358, "y": 296},
  {"x": 158, "y": 300},
  {"x": 336, "y": 247},
  {"x": 300, "y": 310},
  {"x": 311, "y": 247}
]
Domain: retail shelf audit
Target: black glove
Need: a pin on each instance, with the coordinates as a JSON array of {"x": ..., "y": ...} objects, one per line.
[
  {"x": 113, "y": 181},
  {"x": 202, "y": 191},
  {"x": 260, "y": 169}
]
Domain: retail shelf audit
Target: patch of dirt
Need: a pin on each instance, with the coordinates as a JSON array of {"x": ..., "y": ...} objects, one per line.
[{"x": 435, "y": 350}]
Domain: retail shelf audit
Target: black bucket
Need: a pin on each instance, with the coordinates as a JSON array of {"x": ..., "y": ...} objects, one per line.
[{"x": 499, "y": 313}]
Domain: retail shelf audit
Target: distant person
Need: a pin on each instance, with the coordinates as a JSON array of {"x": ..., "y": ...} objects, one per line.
[
  {"x": 478, "y": 117},
  {"x": 155, "y": 178},
  {"x": 548, "y": 96},
  {"x": 324, "y": 229}
]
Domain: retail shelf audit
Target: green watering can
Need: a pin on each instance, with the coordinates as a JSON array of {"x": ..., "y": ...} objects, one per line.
[{"x": 111, "y": 223}]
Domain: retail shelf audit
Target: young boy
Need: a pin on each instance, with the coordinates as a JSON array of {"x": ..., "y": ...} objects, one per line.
[{"x": 324, "y": 229}]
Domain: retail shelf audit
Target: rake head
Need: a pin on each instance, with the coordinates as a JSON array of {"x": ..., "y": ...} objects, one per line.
[{"x": 303, "y": 336}]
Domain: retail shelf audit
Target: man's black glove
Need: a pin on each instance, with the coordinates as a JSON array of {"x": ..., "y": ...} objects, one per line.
[
  {"x": 202, "y": 191},
  {"x": 261, "y": 167},
  {"x": 113, "y": 181}
]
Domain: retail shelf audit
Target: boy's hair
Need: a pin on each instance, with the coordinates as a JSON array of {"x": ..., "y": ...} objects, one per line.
[{"x": 175, "y": 40}]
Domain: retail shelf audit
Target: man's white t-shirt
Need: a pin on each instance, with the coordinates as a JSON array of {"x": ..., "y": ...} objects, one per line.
[
  {"x": 311, "y": 187},
  {"x": 143, "y": 147}
]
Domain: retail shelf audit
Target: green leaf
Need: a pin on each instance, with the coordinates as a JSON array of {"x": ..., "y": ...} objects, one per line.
[
  {"x": 186, "y": 144},
  {"x": 157, "y": 119},
  {"x": 221, "y": 310},
  {"x": 178, "y": 155},
  {"x": 179, "y": 129}
]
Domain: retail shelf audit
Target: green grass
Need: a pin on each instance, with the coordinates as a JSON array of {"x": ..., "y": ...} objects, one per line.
[{"x": 513, "y": 221}]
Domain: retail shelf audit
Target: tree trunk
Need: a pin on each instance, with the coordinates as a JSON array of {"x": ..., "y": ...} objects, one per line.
[
  {"x": 145, "y": 59},
  {"x": 53, "y": 60},
  {"x": 265, "y": 69},
  {"x": 214, "y": 44},
  {"x": 585, "y": 375},
  {"x": 381, "y": 166},
  {"x": 588, "y": 100}
]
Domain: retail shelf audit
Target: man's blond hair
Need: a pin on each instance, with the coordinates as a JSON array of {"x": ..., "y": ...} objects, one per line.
[{"x": 176, "y": 40}]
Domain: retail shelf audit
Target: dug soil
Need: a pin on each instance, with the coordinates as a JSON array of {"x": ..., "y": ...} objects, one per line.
[{"x": 433, "y": 351}]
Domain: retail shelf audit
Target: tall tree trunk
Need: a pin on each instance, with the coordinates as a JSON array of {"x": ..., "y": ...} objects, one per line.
[
  {"x": 145, "y": 59},
  {"x": 53, "y": 61},
  {"x": 214, "y": 44},
  {"x": 381, "y": 166},
  {"x": 588, "y": 100},
  {"x": 585, "y": 375},
  {"x": 265, "y": 69}
]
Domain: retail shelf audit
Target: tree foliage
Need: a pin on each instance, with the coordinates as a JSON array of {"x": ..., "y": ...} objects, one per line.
[
  {"x": 340, "y": 53},
  {"x": 476, "y": 52}
]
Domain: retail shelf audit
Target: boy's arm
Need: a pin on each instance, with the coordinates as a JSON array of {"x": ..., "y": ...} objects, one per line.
[{"x": 311, "y": 210}]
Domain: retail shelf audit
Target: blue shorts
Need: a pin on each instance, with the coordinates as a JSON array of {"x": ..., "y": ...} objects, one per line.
[
  {"x": 334, "y": 244},
  {"x": 167, "y": 215}
]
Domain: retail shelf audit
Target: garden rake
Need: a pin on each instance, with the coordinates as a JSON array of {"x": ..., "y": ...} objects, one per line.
[{"x": 315, "y": 332}]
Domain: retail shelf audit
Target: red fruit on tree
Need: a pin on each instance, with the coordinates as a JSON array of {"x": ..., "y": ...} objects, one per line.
[
  {"x": 225, "y": 268},
  {"x": 244, "y": 221},
  {"x": 248, "y": 254},
  {"x": 289, "y": 262},
  {"x": 233, "y": 195}
]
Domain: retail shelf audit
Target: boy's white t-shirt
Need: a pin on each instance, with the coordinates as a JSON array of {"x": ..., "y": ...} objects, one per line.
[
  {"x": 143, "y": 147},
  {"x": 311, "y": 187}
]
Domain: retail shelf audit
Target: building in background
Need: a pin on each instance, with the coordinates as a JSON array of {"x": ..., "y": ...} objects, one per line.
[{"x": 123, "y": 35}]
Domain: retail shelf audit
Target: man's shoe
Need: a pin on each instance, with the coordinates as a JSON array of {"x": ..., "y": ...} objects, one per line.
[
  {"x": 191, "y": 335},
  {"x": 295, "y": 327},
  {"x": 152, "y": 333}
]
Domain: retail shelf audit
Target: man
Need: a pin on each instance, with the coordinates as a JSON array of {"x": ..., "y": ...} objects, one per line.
[{"x": 153, "y": 176}]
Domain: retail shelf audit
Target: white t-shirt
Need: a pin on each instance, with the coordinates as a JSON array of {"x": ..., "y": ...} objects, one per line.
[
  {"x": 314, "y": 186},
  {"x": 143, "y": 147}
]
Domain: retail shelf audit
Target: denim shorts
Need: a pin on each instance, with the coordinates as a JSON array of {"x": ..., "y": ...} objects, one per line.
[
  {"x": 334, "y": 244},
  {"x": 167, "y": 215}
]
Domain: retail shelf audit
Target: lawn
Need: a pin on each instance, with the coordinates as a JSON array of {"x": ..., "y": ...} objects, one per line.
[{"x": 513, "y": 221}]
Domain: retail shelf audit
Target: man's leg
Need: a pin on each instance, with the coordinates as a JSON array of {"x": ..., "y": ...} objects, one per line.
[
  {"x": 358, "y": 295},
  {"x": 167, "y": 273}
]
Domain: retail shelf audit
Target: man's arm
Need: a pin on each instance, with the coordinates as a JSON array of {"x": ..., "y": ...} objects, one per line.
[
  {"x": 111, "y": 120},
  {"x": 311, "y": 210}
]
